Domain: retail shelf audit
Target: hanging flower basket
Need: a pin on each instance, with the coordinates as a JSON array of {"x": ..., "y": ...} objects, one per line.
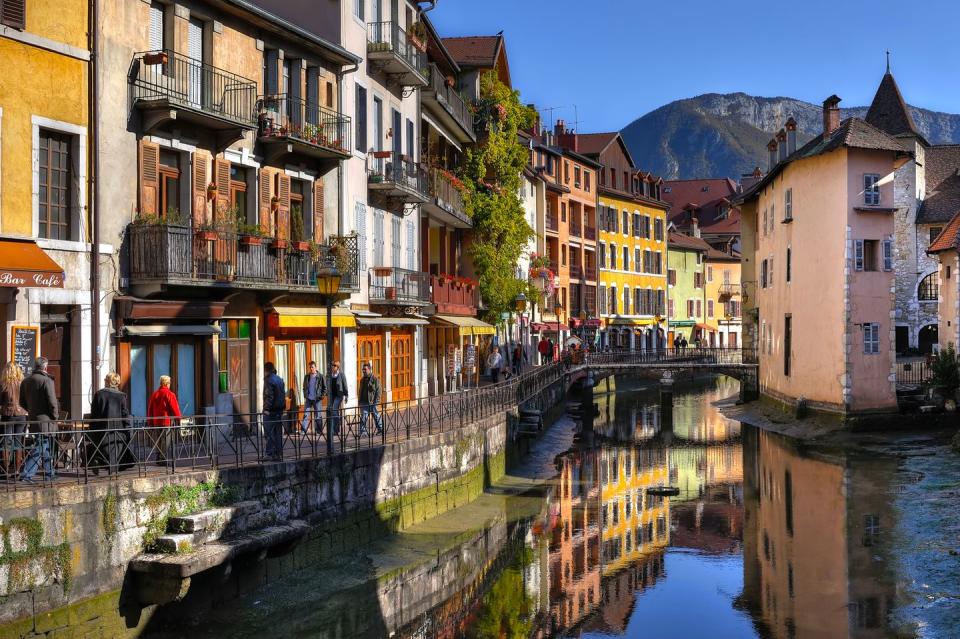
[{"x": 382, "y": 155}]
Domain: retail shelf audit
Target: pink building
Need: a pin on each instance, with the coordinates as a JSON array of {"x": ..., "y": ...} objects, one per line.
[{"x": 818, "y": 272}]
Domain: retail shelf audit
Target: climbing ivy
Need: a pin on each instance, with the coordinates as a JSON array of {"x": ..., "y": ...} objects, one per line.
[
  {"x": 54, "y": 560},
  {"x": 491, "y": 176}
]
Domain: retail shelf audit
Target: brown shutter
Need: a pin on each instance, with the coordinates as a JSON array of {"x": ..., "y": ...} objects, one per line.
[
  {"x": 318, "y": 210},
  {"x": 265, "y": 193},
  {"x": 149, "y": 176},
  {"x": 222, "y": 170},
  {"x": 283, "y": 213},
  {"x": 199, "y": 187},
  {"x": 13, "y": 13}
]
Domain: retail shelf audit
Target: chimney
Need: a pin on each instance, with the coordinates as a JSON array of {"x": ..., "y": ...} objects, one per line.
[
  {"x": 695, "y": 226},
  {"x": 791, "y": 136},
  {"x": 831, "y": 115},
  {"x": 566, "y": 138},
  {"x": 772, "y": 148},
  {"x": 781, "y": 145},
  {"x": 559, "y": 128}
]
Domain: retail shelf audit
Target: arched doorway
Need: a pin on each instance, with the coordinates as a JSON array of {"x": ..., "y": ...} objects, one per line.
[{"x": 927, "y": 338}]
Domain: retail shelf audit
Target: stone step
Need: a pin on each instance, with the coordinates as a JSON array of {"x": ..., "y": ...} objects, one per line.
[
  {"x": 213, "y": 518},
  {"x": 179, "y": 543}
]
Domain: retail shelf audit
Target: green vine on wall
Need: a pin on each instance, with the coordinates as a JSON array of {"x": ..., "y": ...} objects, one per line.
[{"x": 21, "y": 562}]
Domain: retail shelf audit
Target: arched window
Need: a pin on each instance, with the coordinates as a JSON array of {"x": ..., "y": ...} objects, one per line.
[{"x": 929, "y": 290}]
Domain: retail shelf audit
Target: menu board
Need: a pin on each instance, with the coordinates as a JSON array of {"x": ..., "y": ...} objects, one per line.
[
  {"x": 470, "y": 360},
  {"x": 24, "y": 345}
]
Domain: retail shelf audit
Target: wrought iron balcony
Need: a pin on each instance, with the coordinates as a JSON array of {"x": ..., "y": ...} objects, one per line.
[
  {"x": 575, "y": 228},
  {"x": 391, "y": 50},
  {"x": 288, "y": 125},
  {"x": 576, "y": 272},
  {"x": 552, "y": 222},
  {"x": 728, "y": 291},
  {"x": 396, "y": 177},
  {"x": 446, "y": 201},
  {"x": 163, "y": 256},
  {"x": 168, "y": 86},
  {"x": 454, "y": 296},
  {"x": 399, "y": 286},
  {"x": 590, "y": 232},
  {"x": 445, "y": 103}
]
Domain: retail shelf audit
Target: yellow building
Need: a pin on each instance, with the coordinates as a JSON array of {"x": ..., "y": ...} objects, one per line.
[
  {"x": 632, "y": 247},
  {"x": 724, "y": 303},
  {"x": 45, "y": 208}
]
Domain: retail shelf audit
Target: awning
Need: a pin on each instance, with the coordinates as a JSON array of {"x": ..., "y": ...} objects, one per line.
[
  {"x": 705, "y": 327},
  {"x": 630, "y": 321},
  {"x": 390, "y": 321},
  {"x": 540, "y": 326},
  {"x": 161, "y": 330},
  {"x": 23, "y": 264},
  {"x": 312, "y": 317},
  {"x": 467, "y": 325}
]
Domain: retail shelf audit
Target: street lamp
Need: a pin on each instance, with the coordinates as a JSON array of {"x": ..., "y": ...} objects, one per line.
[
  {"x": 520, "y": 303},
  {"x": 328, "y": 284}
]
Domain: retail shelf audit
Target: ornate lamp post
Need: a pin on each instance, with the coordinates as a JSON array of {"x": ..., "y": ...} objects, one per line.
[
  {"x": 328, "y": 284},
  {"x": 520, "y": 303}
]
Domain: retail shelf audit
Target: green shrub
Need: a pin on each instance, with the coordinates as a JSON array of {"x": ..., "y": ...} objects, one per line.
[{"x": 945, "y": 371}]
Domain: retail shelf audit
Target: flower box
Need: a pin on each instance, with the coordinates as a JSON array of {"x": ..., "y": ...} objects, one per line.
[
  {"x": 382, "y": 271},
  {"x": 207, "y": 236},
  {"x": 382, "y": 155},
  {"x": 279, "y": 243},
  {"x": 417, "y": 43},
  {"x": 251, "y": 240},
  {"x": 156, "y": 57},
  {"x": 300, "y": 245}
]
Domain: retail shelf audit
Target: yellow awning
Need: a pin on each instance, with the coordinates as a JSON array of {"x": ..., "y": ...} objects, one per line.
[
  {"x": 312, "y": 317},
  {"x": 630, "y": 321},
  {"x": 467, "y": 325}
]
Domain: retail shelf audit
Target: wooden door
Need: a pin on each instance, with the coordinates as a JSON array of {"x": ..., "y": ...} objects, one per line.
[
  {"x": 369, "y": 349},
  {"x": 55, "y": 346},
  {"x": 401, "y": 362}
]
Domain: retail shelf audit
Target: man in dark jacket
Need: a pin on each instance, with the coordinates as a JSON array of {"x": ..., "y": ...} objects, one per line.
[
  {"x": 338, "y": 395},
  {"x": 274, "y": 402},
  {"x": 108, "y": 438},
  {"x": 369, "y": 396},
  {"x": 39, "y": 397},
  {"x": 314, "y": 390}
]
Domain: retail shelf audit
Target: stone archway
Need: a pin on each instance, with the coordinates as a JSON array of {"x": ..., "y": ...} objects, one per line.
[{"x": 927, "y": 337}]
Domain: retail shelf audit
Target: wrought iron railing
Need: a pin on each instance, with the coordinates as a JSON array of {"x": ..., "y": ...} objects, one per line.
[
  {"x": 576, "y": 271},
  {"x": 445, "y": 193},
  {"x": 388, "y": 36},
  {"x": 575, "y": 227},
  {"x": 183, "y": 81},
  {"x": 449, "y": 98},
  {"x": 396, "y": 168},
  {"x": 392, "y": 285},
  {"x": 552, "y": 222},
  {"x": 590, "y": 232},
  {"x": 590, "y": 272},
  {"x": 913, "y": 373},
  {"x": 284, "y": 116}
]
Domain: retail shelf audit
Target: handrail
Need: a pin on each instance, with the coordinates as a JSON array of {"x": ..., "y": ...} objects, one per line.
[
  {"x": 388, "y": 36},
  {"x": 283, "y": 115},
  {"x": 398, "y": 169},
  {"x": 450, "y": 98}
]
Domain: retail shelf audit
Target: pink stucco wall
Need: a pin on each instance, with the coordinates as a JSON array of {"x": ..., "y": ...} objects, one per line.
[{"x": 948, "y": 329}]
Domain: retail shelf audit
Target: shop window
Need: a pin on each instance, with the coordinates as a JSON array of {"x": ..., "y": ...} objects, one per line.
[{"x": 151, "y": 359}]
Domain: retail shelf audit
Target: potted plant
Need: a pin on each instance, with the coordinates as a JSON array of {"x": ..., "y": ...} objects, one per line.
[
  {"x": 155, "y": 57},
  {"x": 211, "y": 191},
  {"x": 390, "y": 292},
  {"x": 280, "y": 243},
  {"x": 207, "y": 232},
  {"x": 382, "y": 155},
  {"x": 382, "y": 271},
  {"x": 416, "y": 35},
  {"x": 296, "y": 232},
  {"x": 945, "y": 379}
]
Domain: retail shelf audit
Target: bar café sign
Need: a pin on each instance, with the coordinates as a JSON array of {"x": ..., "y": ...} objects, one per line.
[{"x": 27, "y": 279}]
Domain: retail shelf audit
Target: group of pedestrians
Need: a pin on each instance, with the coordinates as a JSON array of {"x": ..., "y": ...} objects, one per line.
[{"x": 29, "y": 409}]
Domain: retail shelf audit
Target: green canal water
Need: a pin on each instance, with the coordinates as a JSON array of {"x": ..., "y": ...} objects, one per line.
[{"x": 767, "y": 537}]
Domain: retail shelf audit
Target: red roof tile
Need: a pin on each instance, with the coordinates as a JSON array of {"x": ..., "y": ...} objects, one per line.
[
  {"x": 681, "y": 241},
  {"x": 948, "y": 237},
  {"x": 474, "y": 51}
]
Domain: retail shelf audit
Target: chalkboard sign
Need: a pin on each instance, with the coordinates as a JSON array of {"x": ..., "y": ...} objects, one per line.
[{"x": 24, "y": 345}]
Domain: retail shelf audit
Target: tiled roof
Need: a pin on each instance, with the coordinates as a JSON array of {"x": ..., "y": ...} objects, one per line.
[
  {"x": 686, "y": 193},
  {"x": 942, "y": 199},
  {"x": 681, "y": 241},
  {"x": 889, "y": 112},
  {"x": 594, "y": 143},
  {"x": 714, "y": 254},
  {"x": 729, "y": 224},
  {"x": 948, "y": 237},
  {"x": 474, "y": 51}
]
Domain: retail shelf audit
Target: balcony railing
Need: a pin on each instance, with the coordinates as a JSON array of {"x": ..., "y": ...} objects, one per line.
[
  {"x": 397, "y": 175},
  {"x": 166, "y": 79},
  {"x": 553, "y": 223},
  {"x": 180, "y": 255},
  {"x": 574, "y": 227},
  {"x": 590, "y": 272},
  {"x": 590, "y": 232},
  {"x": 283, "y": 117},
  {"x": 454, "y": 297},
  {"x": 390, "y": 48},
  {"x": 445, "y": 194},
  {"x": 448, "y": 98},
  {"x": 728, "y": 291},
  {"x": 576, "y": 271},
  {"x": 392, "y": 285}
]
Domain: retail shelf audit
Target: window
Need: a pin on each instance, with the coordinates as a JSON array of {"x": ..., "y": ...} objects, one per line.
[
  {"x": 710, "y": 309},
  {"x": 411, "y": 244},
  {"x": 563, "y": 255},
  {"x": 626, "y": 301},
  {"x": 396, "y": 227},
  {"x": 566, "y": 172},
  {"x": 699, "y": 308},
  {"x": 613, "y": 257},
  {"x": 56, "y": 184},
  {"x": 789, "y": 263},
  {"x": 636, "y": 261},
  {"x": 636, "y": 225},
  {"x": 13, "y": 13},
  {"x": 563, "y": 211},
  {"x": 871, "y": 530},
  {"x": 690, "y": 309},
  {"x": 613, "y": 300},
  {"x": 764, "y": 222},
  {"x": 865, "y": 255},
  {"x": 238, "y": 188},
  {"x": 586, "y": 181},
  {"x": 773, "y": 217},
  {"x": 788, "y": 205},
  {"x": 158, "y": 29},
  {"x": 169, "y": 191},
  {"x": 670, "y": 308},
  {"x": 871, "y": 338},
  {"x": 602, "y": 255},
  {"x": 626, "y": 223},
  {"x": 378, "y": 238},
  {"x": 658, "y": 230},
  {"x": 672, "y": 277},
  {"x": 871, "y": 189},
  {"x": 360, "y": 117},
  {"x": 929, "y": 289},
  {"x": 787, "y": 345},
  {"x": 626, "y": 258},
  {"x": 763, "y": 273},
  {"x": 576, "y": 176},
  {"x": 360, "y": 226},
  {"x": 603, "y": 300},
  {"x": 358, "y": 9},
  {"x": 698, "y": 280},
  {"x": 709, "y": 273},
  {"x": 888, "y": 255},
  {"x": 934, "y": 232}
]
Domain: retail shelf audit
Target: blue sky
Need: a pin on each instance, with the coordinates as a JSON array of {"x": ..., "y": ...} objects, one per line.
[{"x": 618, "y": 59}]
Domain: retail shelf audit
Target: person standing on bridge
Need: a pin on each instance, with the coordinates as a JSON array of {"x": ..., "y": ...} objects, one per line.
[
  {"x": 274, "y": 403},
  {"x": 39, "y": 396},
  {"x": 494, "y": 363},
  {"x": 545, "y": 349}
]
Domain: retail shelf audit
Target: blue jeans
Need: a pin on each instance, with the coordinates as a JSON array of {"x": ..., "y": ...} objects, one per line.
[
  {"x": 365, "y": 410},
  {"x": 312, "y": 411},
  {"x": 272, "y": 429},
  {"x": 333, "y": 413},
  {"x": 40, "y": 451}
]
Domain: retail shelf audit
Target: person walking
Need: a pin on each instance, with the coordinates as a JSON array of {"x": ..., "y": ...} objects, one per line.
[
  {"x": 13, "y": 417},
  {"x": 368, "y": 394},
  {"x": 543, "y": 347},
  {"x": 162, "y": 411},
  {"x": 494, "y": 362},
  {"x": 314, "y": 390},
  {"x": 274, "y": 403},
  {"x": 338, "y": 395},
  {"x": 552, "y": 348},
  {"x": 39, "y": 397},
  {"x": 108, "y": 438},
  {"x": 517, "y": 358}
]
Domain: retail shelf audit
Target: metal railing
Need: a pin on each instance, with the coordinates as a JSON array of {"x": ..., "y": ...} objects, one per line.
[
  {"x": 552, "y": 222},
  {"x": 183, "y": 81},
  {"x": 283, "y": 115},
  {"x": 913, "y": 373},
  {"x": 590, "y": 232},
  {"x": 590, "y": 272},
  {"x": 445, "y": 194},
  {"x": 399, "y": 170},
  {"x": 449, "y": 98},
  {"x": 392, "y": 285},
  {"x": 388, "y": 36},
  {"x": 575, "y": 227},
  {"x": 686, "y": 357},
  {"x": 180, "y": 254},
  {"x": 576, "y": 271}
]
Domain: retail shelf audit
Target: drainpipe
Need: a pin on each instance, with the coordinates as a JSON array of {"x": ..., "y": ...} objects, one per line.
[{"x": 93, "y": 113}]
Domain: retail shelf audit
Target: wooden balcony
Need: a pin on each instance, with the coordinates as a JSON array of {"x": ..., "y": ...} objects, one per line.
[
  {"x": 291, "y": 126},
  {"x": 446, "y": 202},
  {"x": 394, "y": 286},
  {"x": 453, "y": 297}
]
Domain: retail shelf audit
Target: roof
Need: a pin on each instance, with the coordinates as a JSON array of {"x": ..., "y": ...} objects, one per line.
[
  {"x": 942, "y": 198},
  {"x": 474, "y": 51},
  {"x": 888, "y": 112},
  {"x": 852, "y": 133},
  {"x": 681, "y": 241},
  {"x": 721, "y": 256},
  {"x": 594, "y": 143},
  {"x": 948, "y": 237},
  {"x": 707, "y": 195},
  {"x": 724, "y": 225}
]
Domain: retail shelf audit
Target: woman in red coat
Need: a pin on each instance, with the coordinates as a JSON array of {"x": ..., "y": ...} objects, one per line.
[{"x": 161, "y": 408}]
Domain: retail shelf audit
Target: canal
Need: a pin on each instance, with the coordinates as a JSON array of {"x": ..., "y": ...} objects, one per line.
[{"x": 767, "y": 537}]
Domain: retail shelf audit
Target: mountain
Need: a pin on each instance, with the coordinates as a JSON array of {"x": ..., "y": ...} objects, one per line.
[{"x": 726, "y": 135}]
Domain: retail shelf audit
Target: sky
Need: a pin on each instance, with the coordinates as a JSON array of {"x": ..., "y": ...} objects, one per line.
[{"x": 604, "y": 63}]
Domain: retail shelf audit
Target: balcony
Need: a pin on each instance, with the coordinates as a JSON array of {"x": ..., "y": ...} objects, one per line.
[
  {"x": 575, "y": 228},
  {"x": 727, "y": 292},
  {"x": 390, "y": 51},
  {"x": 291, "y": 126},
  {"x": 552, "y": 222},
  {"x": 169, "y": 87},
  {"x": 453, "y": 296},
  {"x": 397, "y": 179},
  {"x": 444, "y": 102},
  {"x": 398, "y": 286},
  {"x": 446, "y": 202},
  {"x": 164, "y": 256},
  {"x": 590, "y": 272},
  {"x": 590, "y": 233},
  {"x": 576, "y": 272}
]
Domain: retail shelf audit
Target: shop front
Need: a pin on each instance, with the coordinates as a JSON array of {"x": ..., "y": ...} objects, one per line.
[
  {"x": 390, "y": 345},
  {"x": 456, "y": 346}
]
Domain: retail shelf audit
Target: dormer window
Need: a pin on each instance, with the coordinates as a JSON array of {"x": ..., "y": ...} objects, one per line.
[{"x": 871, "y": 189}]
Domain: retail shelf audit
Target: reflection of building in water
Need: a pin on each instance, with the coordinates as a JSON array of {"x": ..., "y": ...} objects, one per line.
[
  {"x": 817, "y": 547},
  {"x": 695, "y": 467},
  {"x": 632, "y": 417},
  {"x": 575, "y": 542},
  {"x": 696, "y": 418},
  {"x": 634, "y": 522},
  {"x": 713, "y": 524},
  {"x": 619, "y": 592}
]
